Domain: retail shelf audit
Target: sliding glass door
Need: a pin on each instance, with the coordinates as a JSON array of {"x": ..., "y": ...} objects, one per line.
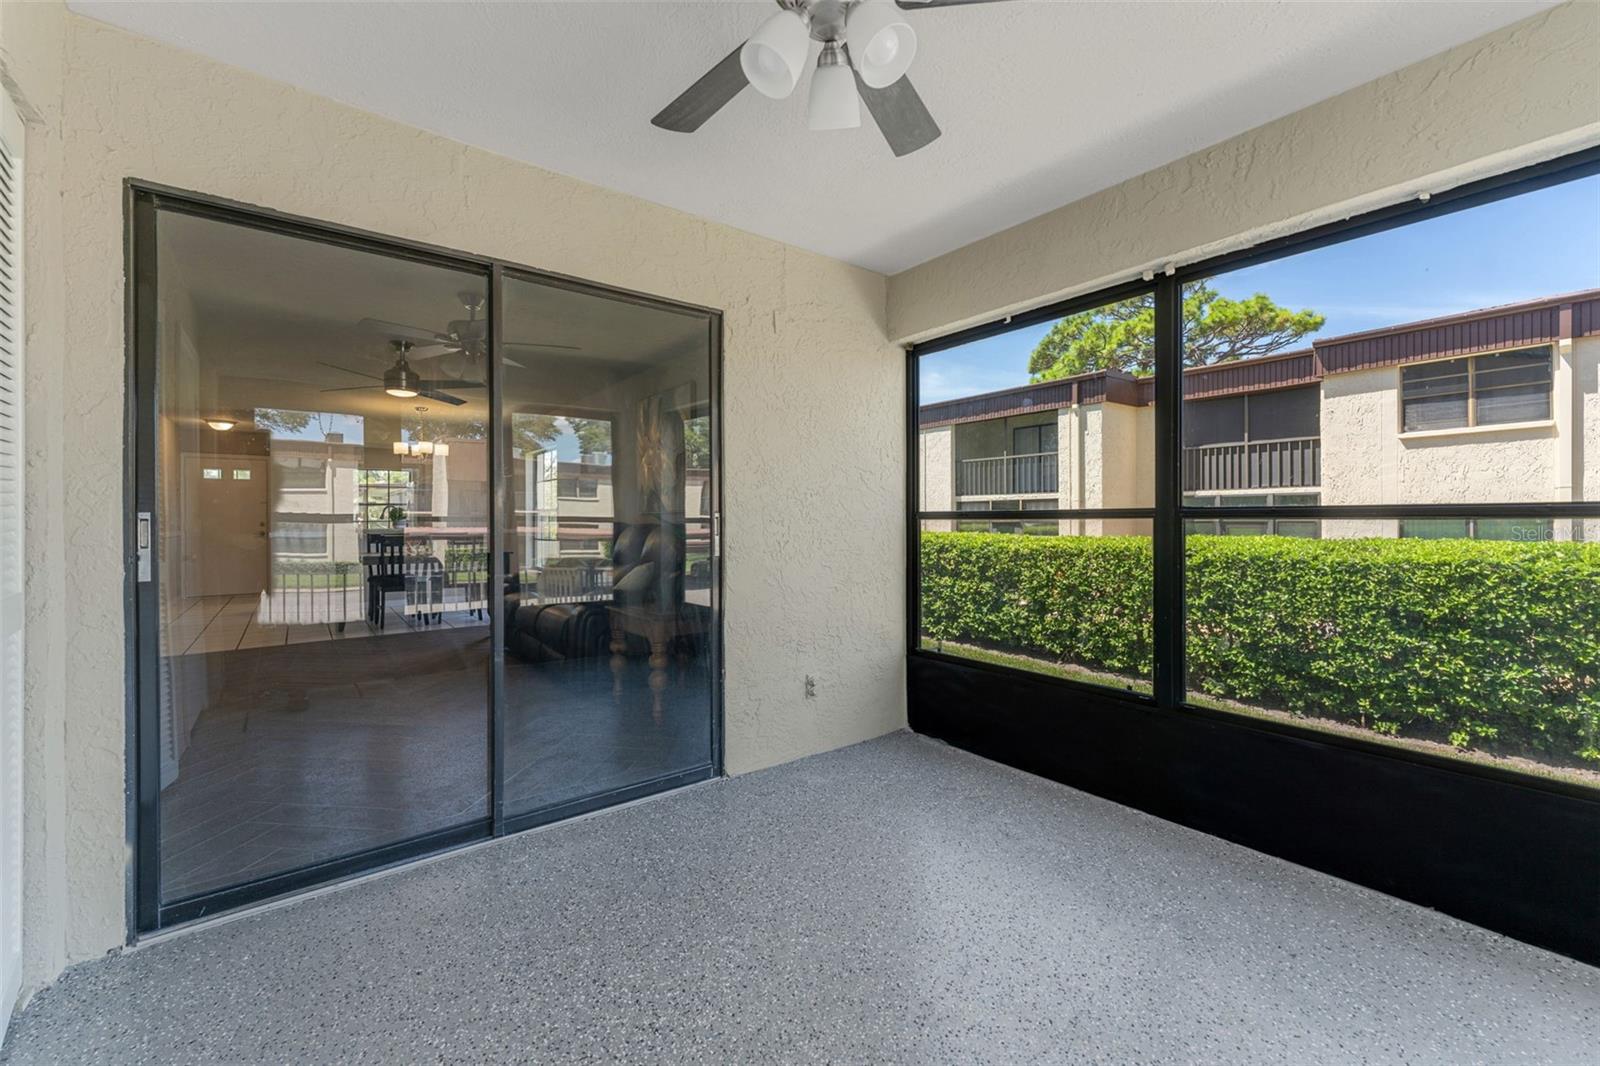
[
  {"x": 402, "y": 582},
  {"x": 609, "y": 634}
]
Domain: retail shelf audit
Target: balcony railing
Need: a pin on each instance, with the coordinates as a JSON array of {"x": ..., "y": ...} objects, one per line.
[
  {"x": 1291, "y": 462},
  {"x": 1007, "y": 475}
]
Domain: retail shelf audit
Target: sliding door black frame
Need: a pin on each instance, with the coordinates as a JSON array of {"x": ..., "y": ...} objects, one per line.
[
  {"x": 516, "y": 821},
  {"x": 146, "y": 912},
  {"x": 1538, "y": 879}
]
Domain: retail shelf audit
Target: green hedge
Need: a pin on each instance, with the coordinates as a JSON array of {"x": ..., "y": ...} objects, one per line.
[{"x": 1482, "y": 644}]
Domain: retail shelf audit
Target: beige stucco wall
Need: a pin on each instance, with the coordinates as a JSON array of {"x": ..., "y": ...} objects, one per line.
[
  {"x": 936, "y": 470},
  {"x": 1120, "y": 464},
  {"x": 33, "y": 40},
  {"x": 1584, "y": 356},
  {"x": 1527, "y": 92},
  {"x": 813, "y": 544}
]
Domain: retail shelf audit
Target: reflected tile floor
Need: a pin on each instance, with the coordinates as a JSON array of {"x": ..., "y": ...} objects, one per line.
[
  {"x": 896, "y": 901},
  {"x": 316, "y": 751}
]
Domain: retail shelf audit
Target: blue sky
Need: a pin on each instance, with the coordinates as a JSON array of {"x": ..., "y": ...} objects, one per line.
[{"x": 1522, "y": 248}]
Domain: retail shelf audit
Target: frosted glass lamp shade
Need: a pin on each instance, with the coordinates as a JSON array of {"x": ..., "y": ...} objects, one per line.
[{"x": 773, "y": 58}]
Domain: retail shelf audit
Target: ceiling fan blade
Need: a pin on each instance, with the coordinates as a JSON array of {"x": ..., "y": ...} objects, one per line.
[
  {"x": 453, "y": 384},
  {"x": 401, "y": 330},
  {"x": 513, "y": 362},
  {"x": 901, "y": 116},
  {"x": 352, "y": 388},
  {"x": 525, "y": 345},
  {"x": 705, "y": 97},
  {"x": 347, "y": 370},
  {"x": 421, "y": 355},
  {"x": 442, "y": 397}
]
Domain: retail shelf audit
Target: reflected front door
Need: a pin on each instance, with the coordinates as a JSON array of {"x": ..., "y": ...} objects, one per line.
[{"x": 224, "y": 531}]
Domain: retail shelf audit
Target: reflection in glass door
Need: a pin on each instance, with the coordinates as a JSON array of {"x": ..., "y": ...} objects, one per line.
[
  {"x": 426, "y": 551},
  {"x": 321, "y": 503},
  {"x": 610, "y": 649}
]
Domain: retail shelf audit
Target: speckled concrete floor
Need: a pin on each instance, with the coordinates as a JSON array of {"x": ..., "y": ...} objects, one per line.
[{"x": 894, "y": 901}]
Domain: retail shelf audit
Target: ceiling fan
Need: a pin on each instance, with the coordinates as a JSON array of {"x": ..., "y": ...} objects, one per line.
[
  {"x": 403, "y": 381},
  {"x": 868, "y": 39},
  {"x": 463, "y": 337}
]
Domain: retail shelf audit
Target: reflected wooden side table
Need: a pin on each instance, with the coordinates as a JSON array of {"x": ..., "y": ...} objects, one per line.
[{"x": 658, "y": 628}]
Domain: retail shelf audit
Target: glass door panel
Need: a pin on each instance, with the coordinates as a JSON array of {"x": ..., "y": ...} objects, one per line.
[
  {"x": 610, "y": 624},
  {"x": 322, "y": 517}
]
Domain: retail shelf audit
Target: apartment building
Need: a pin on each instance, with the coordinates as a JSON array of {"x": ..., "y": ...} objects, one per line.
[{"x": 1491, "y": 405}]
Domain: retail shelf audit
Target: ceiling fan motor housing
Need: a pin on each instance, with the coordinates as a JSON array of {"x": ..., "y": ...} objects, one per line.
[{"x": 401, "y": 380}]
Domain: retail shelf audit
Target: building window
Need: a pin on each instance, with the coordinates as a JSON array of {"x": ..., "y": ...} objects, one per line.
[
  {"x": 1034, "y": 440},
  {"x": 385, "y": 496},
  {"x": 573, "y": 487},
  {"x": 1038, "y": 527},
  {"x": 298, "y": 473},
  {"x": 1532, "y": 530},
  {"x": 1479, "y": 390},
  {"x": 1254, "y": 527},
  {"x": 300, "y": 538}
]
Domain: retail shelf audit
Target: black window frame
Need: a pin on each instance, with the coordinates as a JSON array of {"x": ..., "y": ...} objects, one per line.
[{"x": 1170, "y": 514}]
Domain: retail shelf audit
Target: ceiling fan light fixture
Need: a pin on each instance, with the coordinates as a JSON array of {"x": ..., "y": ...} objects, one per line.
[
  {"x": 775, "y": 55},
  {"x": 221, "y": 423},
  {"x": 401, "y": 381},
  {"x": 881, "y": 41},
  {"x": 834, "y": 103}
]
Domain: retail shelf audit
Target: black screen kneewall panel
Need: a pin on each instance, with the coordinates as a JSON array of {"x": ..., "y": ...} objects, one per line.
[{"x": 1520, "y": 860}]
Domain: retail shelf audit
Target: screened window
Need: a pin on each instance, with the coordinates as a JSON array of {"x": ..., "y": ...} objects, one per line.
[
  {"x": 1294, "y": 538},
  {"x": 1036, "y": 563},
  {"x": 1440, "y": 628},
  {"x": 1481, "y": 390}
]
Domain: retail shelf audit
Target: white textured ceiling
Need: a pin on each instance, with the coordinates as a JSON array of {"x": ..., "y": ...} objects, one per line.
[{"x": 1041, "y": 101}]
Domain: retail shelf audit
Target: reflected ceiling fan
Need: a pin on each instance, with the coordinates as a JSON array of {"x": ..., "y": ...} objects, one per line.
[
  {"x": 868, "y": 39},
  {"x": 403, "y": 381},
  {"x": 465, "y": 337}
]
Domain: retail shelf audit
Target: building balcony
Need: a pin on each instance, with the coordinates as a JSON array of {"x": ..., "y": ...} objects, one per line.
[
  {"x": 1291, "y": 462},
  {"x": 1008, "y": 475}
]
